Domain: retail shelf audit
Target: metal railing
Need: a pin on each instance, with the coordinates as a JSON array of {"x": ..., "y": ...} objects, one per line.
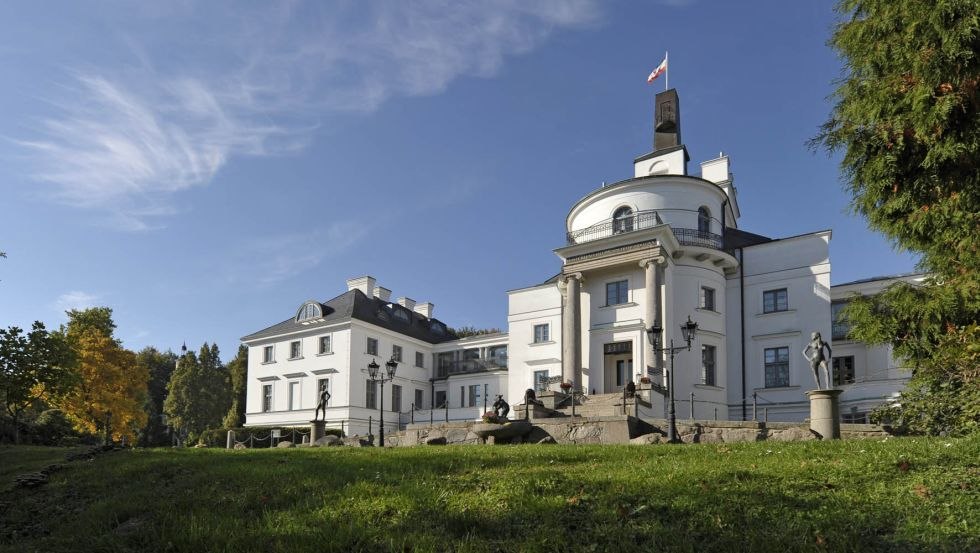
[
  {"x": 461, "y": 366},
  {"x": 695, "y": 237},
  {"x": 840, "y": 331},
  {"x": 604, "y": 229}
]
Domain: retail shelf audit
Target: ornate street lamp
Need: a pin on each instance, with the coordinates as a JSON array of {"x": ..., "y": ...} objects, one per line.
[
  {"x": 375, "y": 375},
  {"x": 654, "y": 333}
]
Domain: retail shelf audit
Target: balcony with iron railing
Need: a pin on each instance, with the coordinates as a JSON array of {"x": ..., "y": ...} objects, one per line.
[
  {"x": 639, "y": 221},
  {"x": 465, "y": 366}
]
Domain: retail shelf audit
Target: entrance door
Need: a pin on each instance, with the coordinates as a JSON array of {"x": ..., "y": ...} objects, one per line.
[{"x": 617, "y": 366}]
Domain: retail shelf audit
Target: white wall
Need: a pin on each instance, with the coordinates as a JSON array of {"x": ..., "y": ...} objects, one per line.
[{"x": 526, "y": 308}]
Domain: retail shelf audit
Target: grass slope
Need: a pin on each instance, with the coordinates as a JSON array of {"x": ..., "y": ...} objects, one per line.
[{"x": 898, "y": 495}]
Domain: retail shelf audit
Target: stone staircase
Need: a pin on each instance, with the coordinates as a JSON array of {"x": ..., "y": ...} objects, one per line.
[{"x": 601, "y": 405}]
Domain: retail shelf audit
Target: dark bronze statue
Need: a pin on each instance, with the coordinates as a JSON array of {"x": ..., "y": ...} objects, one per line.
[
  {"x": 814, "y": 353},
  {"x": 530, "y": 398},
  {"x": 322, "y": 405},
  {"x": 501, "y": 407},
  {"x": 630, "y": 389}
]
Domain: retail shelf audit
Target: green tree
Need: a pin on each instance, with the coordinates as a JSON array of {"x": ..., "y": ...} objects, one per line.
[
  {"x": 238, "y": 374},
  {"x": 199, "y": 392},
  {"x": 33, "y": 367},
  {"x": 907, "y": 120},
  {"x": 160, "y": 366},
  {"x": 467, "y": 331}
]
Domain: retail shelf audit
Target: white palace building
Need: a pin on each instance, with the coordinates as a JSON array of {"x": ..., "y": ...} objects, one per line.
[{"x": 655, "y": 249}]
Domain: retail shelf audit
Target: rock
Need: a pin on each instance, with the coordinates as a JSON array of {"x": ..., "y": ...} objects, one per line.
[
  {"x": 241, "y": 446},
  {"x": 285, "y": 443},
  {"x": 795, "y": 434},
  {"x": 500, "y": 432},
  {"x": 199, "y": 446},
  {"x": 328, "y": 441},
  {"x": 652, "y": 438},
  {"x": 547, "y": 440},
  {"x": 436, "y": 440},
  {"x": 356, "y": 441}
]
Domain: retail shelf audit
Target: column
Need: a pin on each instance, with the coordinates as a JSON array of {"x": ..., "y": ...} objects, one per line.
[
  {"x": 571, "y": 331},
  {"x": 652, "y": 311}
]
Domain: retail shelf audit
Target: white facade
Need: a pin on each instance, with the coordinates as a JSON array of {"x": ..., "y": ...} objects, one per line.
[{"x": 652, "y": 250}]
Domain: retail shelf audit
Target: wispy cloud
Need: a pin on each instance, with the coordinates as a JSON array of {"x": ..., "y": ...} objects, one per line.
[
  {"x": 76, "y": 299},
  {"x": 287, "y": 255},
  {"x": 124, "y": 140}
]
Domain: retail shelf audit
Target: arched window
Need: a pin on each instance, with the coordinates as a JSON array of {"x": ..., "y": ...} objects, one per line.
[
  {"x": 704, "y": 219},
  {"x": 622, "y": 220},
  {"x": 310, "y": 310}
]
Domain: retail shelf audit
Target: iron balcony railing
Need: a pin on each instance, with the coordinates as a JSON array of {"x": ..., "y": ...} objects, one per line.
[
  {"x": 604, "y": 229},
  {"x": 644, "y": 220},
  {"x": 840, "y": 331},
  {"x": 462, "y": 366}
]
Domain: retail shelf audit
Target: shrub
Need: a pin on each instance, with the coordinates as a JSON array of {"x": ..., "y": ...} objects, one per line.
[{"x": 52, "y": 427}]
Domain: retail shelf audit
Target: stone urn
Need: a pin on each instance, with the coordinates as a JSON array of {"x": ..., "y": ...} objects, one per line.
[{"x": 506, "y": 431}]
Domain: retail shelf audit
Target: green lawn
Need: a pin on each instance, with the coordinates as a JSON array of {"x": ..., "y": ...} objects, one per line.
[{"x": 897, "y": 495}]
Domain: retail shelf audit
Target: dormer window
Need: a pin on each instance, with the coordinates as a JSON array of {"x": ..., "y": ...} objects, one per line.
[
  {"x": 623, "y": 220},
  {"x": 437, "y": 328},
  {"x": 310, "y": 310},
  {"x": 401, "y": 315}
]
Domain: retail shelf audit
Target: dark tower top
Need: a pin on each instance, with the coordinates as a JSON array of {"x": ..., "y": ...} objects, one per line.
[{"x": 667, "y": 121}]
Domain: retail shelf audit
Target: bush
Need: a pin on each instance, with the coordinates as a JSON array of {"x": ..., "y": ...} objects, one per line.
[
  {"x": 217, "y": 437},
  {"x": 53, "y": 428}
]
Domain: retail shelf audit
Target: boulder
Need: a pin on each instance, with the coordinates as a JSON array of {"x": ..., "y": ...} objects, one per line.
[
  {"x": 506, "y": 432},
  {"x": 285, "y": 443},
  {"x": 241, "y": 446},
  {"x": 435, "y": 440},
  {"x": 652, "y": 438},
  {"x": 547, "y": 440},
  {"x": 328, "y": 441}
]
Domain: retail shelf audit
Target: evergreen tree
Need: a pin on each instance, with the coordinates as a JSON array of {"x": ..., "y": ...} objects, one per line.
[
  {"x": 907, "y": 119},
  {"x": 238, "y": 374},
  {"x": 199, "y": 392},
  {"x": 159, "y": 365}
]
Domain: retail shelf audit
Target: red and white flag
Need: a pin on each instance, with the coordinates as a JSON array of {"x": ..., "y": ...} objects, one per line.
[{"x": 658, "y": 71}]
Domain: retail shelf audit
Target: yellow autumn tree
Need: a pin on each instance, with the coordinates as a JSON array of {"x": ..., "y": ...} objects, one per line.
[{"x": 110, "y": 381}]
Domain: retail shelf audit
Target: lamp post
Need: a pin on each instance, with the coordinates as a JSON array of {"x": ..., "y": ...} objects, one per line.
[
  {"x": 688, "y": 330},
  {"x": 377, "y": 376}
]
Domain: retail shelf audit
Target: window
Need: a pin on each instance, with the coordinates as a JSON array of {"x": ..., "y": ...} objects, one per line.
[
  {"x": 707, "y": 300},
  {"x": 267, "y": 356},
  {"x": 309, "y": 311},
  {"x": 396, "y": 398},
  {"x": 444, "y": 363},
  {"x": 474, "y": 395},
  {"x": 843, "y": 370},
  {"x": 777, "y": 367},
  {"x": 396, "y": 353},
  {"x": 419, "y": 359},
  {"x": 295, "y": 350},
  {"x": 617, "y": 292},
  {"x": 372, "y": 346},
  {"x": 708, "y": 365},
  {"x": 325, "y": 345},
  {"x": 437, "y": 328},
  {"x": 418, "y": 398},
  {"x": 401, "y": 315},
  {"x": 704, "y": 220},
  {"x": 294, "y": 396},
  {"x": 462, "y": 396},
  {"x": 497, "y": 356},
  {"x": 840, "y": 328},
  {"x": 540, "y": 381},
  {"x": 624, "y": 371},
  {"x": 622, "y": 220},
  {"x": 440, "y": 399},
  {"x": 371, "y": 397},
  {"x": 540, "y": 333},
  {"x": 321, "y": 385},
  {"x": 775, "y": 300},
  {"x": 267, "y": 398}
]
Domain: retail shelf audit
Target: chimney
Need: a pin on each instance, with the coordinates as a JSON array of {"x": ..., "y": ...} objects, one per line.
[
  {"x": 717, "y": 170},
  {"x": 365, "y": 284},
  {"x": 382, "y": 293},
  {"x": 424, "y": 309},
  {"x": 407, "y": 303}
]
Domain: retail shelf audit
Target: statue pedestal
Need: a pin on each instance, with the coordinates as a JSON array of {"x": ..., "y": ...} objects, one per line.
[
  {"x": 316, "y": 430},
  {"x": 825, "y": 413}
]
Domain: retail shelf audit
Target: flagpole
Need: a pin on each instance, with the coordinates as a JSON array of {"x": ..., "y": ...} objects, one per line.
[{"x": 667, "y": 71}]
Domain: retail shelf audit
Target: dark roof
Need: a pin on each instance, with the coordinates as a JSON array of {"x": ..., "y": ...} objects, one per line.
[
  {"x": 355, "y": 304},
  {"x": 886, "y": 277},
  {"x": 736, "y": 238}
]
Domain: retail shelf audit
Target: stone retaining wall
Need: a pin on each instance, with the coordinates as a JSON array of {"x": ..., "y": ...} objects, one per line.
[{"x": 626, "y": 429}]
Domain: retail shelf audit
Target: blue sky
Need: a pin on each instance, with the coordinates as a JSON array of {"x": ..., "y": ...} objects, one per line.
[{"x": 205, "y": 167}]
